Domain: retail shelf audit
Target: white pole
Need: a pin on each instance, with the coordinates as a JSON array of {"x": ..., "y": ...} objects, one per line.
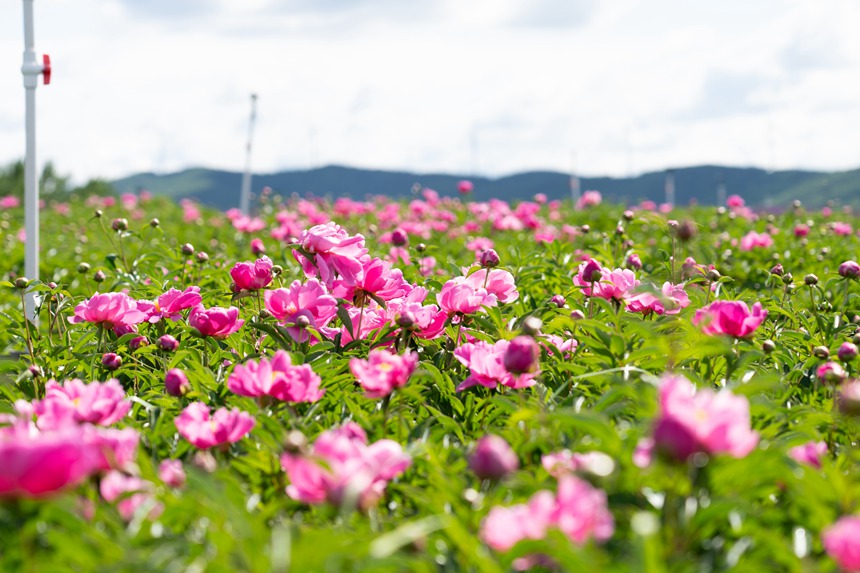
[
  {"x": 245, "y": 197},
  {"x": 669, "y": 188},
  {"x": 31, "y": 70}
]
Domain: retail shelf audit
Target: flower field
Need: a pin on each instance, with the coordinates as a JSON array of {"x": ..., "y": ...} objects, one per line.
[{"x": 430, "y": 385}]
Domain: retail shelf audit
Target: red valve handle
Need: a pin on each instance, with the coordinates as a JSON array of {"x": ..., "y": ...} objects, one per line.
[{"x": 46, "y": 68}]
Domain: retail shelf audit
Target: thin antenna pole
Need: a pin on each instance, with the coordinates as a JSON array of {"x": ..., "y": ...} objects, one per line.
[
  {"x": 31, "y": 70},
  {"x": 245, "y": 197},
  {"x": 669, "y": 188}
]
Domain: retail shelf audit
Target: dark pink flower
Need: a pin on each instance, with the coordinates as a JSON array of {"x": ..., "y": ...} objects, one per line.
[
  {"x": 331, "y": 252},
  {"x": 383, "y": 371},
  {"x": 671, "y": 300},
  {"x": 730, "y": 317},
  {"x": 277, "y": 378},
  {"x": 132, "y": 492},
  {"x": 252, "y": 276},
  {"x": 109, "y": 310},
  {"x": 522, "y": 355},
  {"x": 172, "y": 303},
  {"x": 223, "y": 427},
  {"x": 176, "y": 382},
  {"x": 216, "y": 322}
]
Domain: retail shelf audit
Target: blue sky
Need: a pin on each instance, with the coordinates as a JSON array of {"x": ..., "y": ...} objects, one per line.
[{"x": 491, "y": 86}]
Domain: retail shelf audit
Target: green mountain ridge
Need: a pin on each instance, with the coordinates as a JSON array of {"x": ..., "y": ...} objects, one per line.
[{"x": 698, "y": 184}]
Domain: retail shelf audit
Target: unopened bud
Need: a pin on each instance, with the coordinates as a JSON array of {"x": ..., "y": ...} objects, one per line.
[
  {"x": 810, "y": 280},
  {"x": 99, "y": 276},
  {"x": 399, "y": 237},
  {"x": 154, "y": 222},
  {"x": 489, "y": 258},
  {"x": 202, "y": 257},
  {"x": 420, "y": 247},
  {"x": 295, "y": 442},
  {"x": 111, "y": 361},
  {"x": 768, "y": 346},
  {"x": 406, "y": 319},
  {"x": 577, "y": 314},
  {"x": 83, "y": 268},
  {"x": 713, "y": 275},
  {"x": 119, "y": 224},
  {"x": 22, "y": 283},
  {"x": 167, "y": 343},
  {"x": 187, "y": 249},
  {"x": 531, "y": 325},
  {"x": 302, "y": 321},
  {"x": 176, "y": 382},
  {"x": 821, "y": 352}
]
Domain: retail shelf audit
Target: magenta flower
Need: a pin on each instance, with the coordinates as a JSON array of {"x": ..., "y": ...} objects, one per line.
[
  {"x": 343, "y": 469},
  {"x": 310, "y": 300},
  {"x": 329, "y": 252},
  {"x": 730, "y": 318},
  {"x": 830, "y": 372},
  {"x": 252, "y": 276},
  {"x": 377, "y": 279},
  {"x": 383, "y": 371},
  {"x": 277, "y": 378},
  {"x": 504, "y": 527},
  {"x": 487, "y": 368},
  {"x": 702, "y": 421},
  {"x": 618, "y": 284},
  {"x": 109, "y": 310},
  {"x": 501, "y": 284},
  {"x": 172, "y": 303},
  {"x": 842, "y": 542},
  {"x": 493, "y": 458},
  {"x": 809, "y": 453},
  {"x": 428, "y": 321},
  {"x": 223, "y": 427},
  {"x": 101, "y": 403},
  {"x": 216, "y": 322},
  {"x": 522, "y": 355}
]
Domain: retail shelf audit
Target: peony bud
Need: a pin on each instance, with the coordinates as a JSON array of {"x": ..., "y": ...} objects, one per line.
[
  {"x": 768, "y": 346},
  {"x": 522, "y": 355},
  {"x": 577, "y": 314},
  {"x": 830, "y": 372},
  {"x": 489, "y": 258},
  {"x": 634, "y": 262},
  {"x": 821, "y": 352},
  {"x": 777, "y": 270},
  {"x": 99, "y": 276},
  {"x": 171, "y": 473},
  {"x": 167, "y": 343},
  {"x": 847, "y": 352},
  {"x": 119, "y": 225},
  {"x": 399, "y": 237},
  {"x": 111, "y": 361},
  {"x": 137, "y": 342},
  {"x": 187, "y": 249},
  {"x": 558, "y": 300},
  {"x": 176, "y": 382},
  {"x": 849, "y": 270},
  {"x": 810, "y": 280},
  {"x": 257, "y": 247},
  {"x": 493, "y": 458}
]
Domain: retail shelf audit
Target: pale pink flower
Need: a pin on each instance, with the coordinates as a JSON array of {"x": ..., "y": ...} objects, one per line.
[
  {"x": 504, "y": 527},
  {"x": 753, "y": 240},
  {"x": 277, "y": 378},
  {"x": 458, "y": 296},
  {"x": 703, "y": 421},
  {"x": 730, "y": 317},
  {"x": 564, "y": 462},
  {"x": 343, "y": 469},
  {"x": 618, "y": 284},
  {"x": 223, "y": 427},
  {"x": 102, "y": 403},
  {"x": 132, "y": 492},
  {"x": 842, "y": 542},
  {"x": 252, "y": 276},
  {"x": 171, "y": 473},
  {"x": 486, "y": 366},
  {"x": 581, "y": 511},
  {"x": 500, "y": 284},
  {"x": 383, "y": 371},
  {"x": 310, "y": 300},
  {"x": 566, "y": 346},
  {"x": 216, "y": 322},
  {"x": 671, "y": 300},
  {"x": 589, "y": 199},
  {"x": 109, "y": 310}
]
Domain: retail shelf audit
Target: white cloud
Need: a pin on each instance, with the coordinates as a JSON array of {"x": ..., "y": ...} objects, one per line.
[{"x": 401, "y": 85}]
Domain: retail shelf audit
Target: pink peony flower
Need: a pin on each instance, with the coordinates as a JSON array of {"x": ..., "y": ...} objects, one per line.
[
  {"x": 809, "y": 453},
  {"x": 486, "y": 366},
  {"x": 753, "y": 240},
  {"x": 842, "y": 542},
  {"x": 377, "y": 279},
  {"x": 252, "y": 276},
  {"x": 564, "y": 462},
  {"x": 172, "y": 303},
  {"x": 171, "y": 473},
  {"x": 730, "y": 318},
  {"x": 383, "y": 371},
  {"x": 329, "y": 251},
  {"x": 459, "y": 296},
  {"x": 589, "y": 199},
  {"x": 109, "y": 310},
  {"x": 734, "y": 201},
  {"x": 702, "y": 421},
  {"x": 310, "y": 300},
  {"x": 216, "y": 322},
  {"x": 500, "y": 284},
  {"x": 223, "y": 427},
  {"x": 566, "y": 346},
  {"x": 277, "y": 378},
  {"x": 673, "y": 299},
  {"x": 504, "y": 527},
  {"x": 101, "y": 403},
  {"x": 117, "y": 486},
  {"x": 343, "y": 469},
  {"x": 465, "y": 187},
  {"x": 618, "y": 284}
]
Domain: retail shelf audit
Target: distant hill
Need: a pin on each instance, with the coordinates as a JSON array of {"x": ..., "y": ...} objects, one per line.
[{"x": 698, "y": 184}]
